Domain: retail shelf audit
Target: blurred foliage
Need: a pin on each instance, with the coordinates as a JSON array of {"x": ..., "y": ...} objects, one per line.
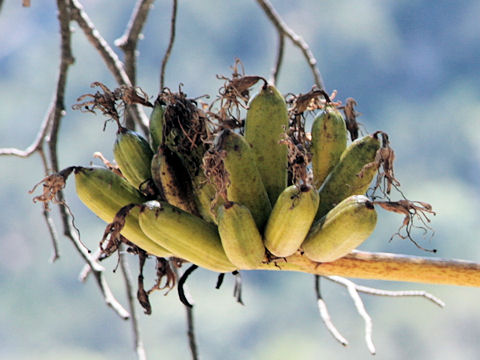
[{"x": 413, "y": 77}]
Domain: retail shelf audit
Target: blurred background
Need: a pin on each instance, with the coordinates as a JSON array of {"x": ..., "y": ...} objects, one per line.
[{"x": 413, "y": 67}]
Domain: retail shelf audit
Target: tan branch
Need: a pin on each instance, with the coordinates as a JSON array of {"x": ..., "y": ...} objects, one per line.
[
  {"x": 297, "y": 40},
  {"x": 173, "y": 22},
  {"x": 385, "y": 266},
  {"x": 109, "y": 56}
]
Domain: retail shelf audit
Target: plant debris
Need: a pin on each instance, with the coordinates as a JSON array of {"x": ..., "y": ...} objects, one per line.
[{"x": 412, "y": 210}]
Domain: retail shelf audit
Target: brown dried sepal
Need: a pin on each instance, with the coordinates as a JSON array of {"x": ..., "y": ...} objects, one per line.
[
  {"x": 411, "y": 210},
  {"x": 235, "y": 93},
  {"x": 142, "y": 294},
  {"x": 214, "y": 169},
  {"x": 52, "y": 184},
  {"x": 106, "y": 102},
  {"x": 315, "y": 99},
  {"x": 383, "y": 161},
  {"x": 165, "y": 273},
  {"x": 108, "y": 164},
  {"x": 183, "y": 115},
  {"x": 351, "y": 117},
  {"x": 298, "y": 160},
  {"x": 112, "y": 238}
]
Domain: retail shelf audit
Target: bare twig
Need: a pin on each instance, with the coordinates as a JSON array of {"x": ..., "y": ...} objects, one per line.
[
  {"x": 127, "y": 276},
  {"x": 357, "y": 300},
  {"x": 128, "y": 43},
  {"x": 173, "y": 22},
  {"x": 322, "y": 307},
  {"x": 386, "y": 266},
  {"x": 279, "y": 60},
  {"x": 55, "y": 114},
  {"x": 297, "y": 40},
  {"x": 53, "y": 235},
  {"x": 37, "y": 143},
  {"x": 191, "y": 333},
  {"x": 109, "y": 57},
  {"x": 188, "y": 302},
  {"x": 381, "y": 292}
]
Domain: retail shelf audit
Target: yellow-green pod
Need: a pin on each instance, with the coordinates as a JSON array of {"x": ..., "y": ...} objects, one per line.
[
  {"x": 133, "y": 156},
  {"x": 240, "y": 237},
  {"x": 290, "y": 220},
  {"x": 329, "y": 140},
  {"x": 187, "y": 236},
  {"x": 345, "y": 180},
  {"x": 266, "y": 122},
  {"x": 244, "y": 185},
  {"x": 342, "y": 230},
  {"x": 157, "y": 122},
  {"x": 105, "y": 193}
]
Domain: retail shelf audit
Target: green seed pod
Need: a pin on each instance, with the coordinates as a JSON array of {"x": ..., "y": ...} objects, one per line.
[
  {"x": 105, "y": 193},
  {"x": 134, "y": 157},
  {"x": 186, "y": 235},
  {"x": 291, "y": 219},
  {"x": 347, "y": 177},
  {"x": 240, "y": 237},
  {"x": 244, "y": 184},
  {"x": 329, "y": 140},
  {"x": 157, "y": 122},
  {"x": 339, "y": 232},
  {"x": 266, "y": 122}
]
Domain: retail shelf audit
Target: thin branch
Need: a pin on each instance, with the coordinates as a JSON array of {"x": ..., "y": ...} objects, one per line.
[
  {"x": 46, "y": 214},
  {"x": 56, "y": 114},
  {"x": 297, "y": 40},
  {"x": 38, "y": 142},
  {"x": 53, "y": 235},
  {"x": 322, "y": 307},
  {"x": 357, "y": 300},
  {"x": 381, "y": 292},
  {"x": 109, "y": 57},
  {"x": 191, "y": 333},
  {"x": 173, "y": 22},
  {"x": 187, "y": 301},
  {"x": 128, "y": 43},
  {"x": 127, "y": 277},
  {"x": 129, "y": 40},
  {"x": 386, "y": 266},
  {"x": 279, "y": 59}
]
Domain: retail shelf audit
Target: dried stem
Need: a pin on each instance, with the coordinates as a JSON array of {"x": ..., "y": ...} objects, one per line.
[
  {"x": 357, "y": 300},
  {"x": 381, "y": 292},
  {"x": 188, "y": 303},
  {"x": 109, "y": 57},
  {"x": 127, "y": 277},
  {"x": 128, "y": 43},
  {"x": 173, "y": 22},
  {"x": 49, "y": 134},
  {"x": 386, "y": 266},
  {"x": 322, "y": 307},
  {"x": 37, "y": 143},
  {"x": 129, "y": 40},
  {"x": 279, "y": 60},
  {"x": 191, "y": 333},
  {"x": 297, "y": 40},
  {"x": 53, "y": 235}
]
